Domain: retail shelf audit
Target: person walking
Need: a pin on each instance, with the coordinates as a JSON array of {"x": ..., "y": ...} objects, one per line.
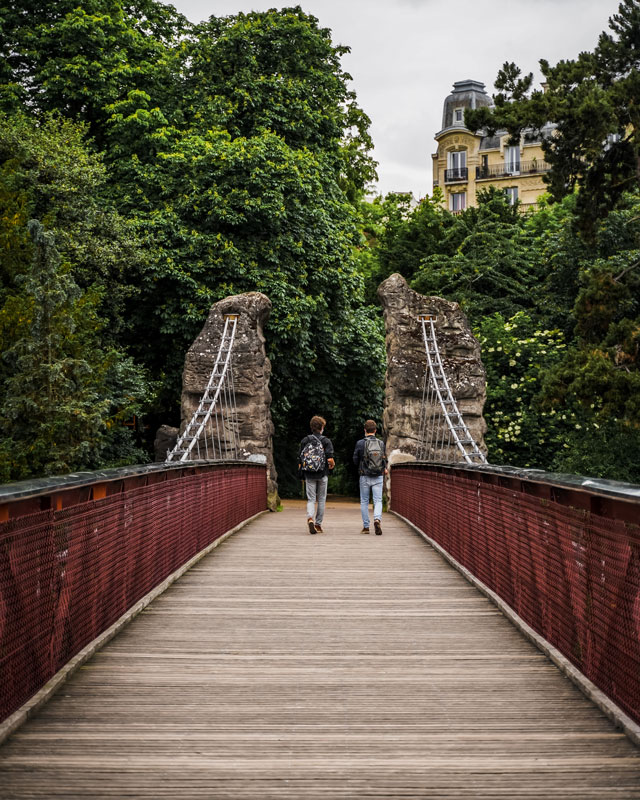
[
  {"x": 314, "y": 462},
  {"x": 369, "y": 456}
]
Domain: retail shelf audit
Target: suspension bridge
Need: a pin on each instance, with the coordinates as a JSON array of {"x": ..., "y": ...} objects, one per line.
[{"x": 162, "y": 636}]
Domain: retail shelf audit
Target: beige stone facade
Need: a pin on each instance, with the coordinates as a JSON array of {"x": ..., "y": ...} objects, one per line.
[{"x": 466, "y": 162}]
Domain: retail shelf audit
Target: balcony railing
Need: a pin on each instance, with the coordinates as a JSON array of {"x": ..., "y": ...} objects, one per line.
[
  {"x": 457, "y": 174},
  {"x": 510, "y": 169}
]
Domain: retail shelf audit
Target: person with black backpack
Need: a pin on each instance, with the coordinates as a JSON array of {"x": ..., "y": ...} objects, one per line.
[
  {"x": 314, "y": 462},
  {"x": 370, "y": 458}
]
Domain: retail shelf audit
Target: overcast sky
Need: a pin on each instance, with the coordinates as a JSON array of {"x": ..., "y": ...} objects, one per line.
[{"x": 406, "y": 55}]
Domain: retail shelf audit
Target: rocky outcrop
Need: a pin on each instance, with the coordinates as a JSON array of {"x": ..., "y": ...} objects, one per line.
[
  {"x": 406, "y": 362},
  {"x": 166, "y": 438},
  {"x": 251, "y": 372}
]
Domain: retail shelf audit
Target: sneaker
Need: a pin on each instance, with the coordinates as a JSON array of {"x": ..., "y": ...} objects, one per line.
[
  {"x": 311, "y": 525},
  {"x": 365, "y": 530},
  {"x": 378, "y": 527},
  {"x": 318, "y": 528}
]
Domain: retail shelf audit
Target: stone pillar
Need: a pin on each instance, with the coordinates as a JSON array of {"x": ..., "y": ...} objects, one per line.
[
  {"x": 407, "y": 361},
  {"x": 251, "y": 371}
]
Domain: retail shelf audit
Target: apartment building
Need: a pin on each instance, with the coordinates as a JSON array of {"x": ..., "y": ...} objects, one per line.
[{"x": 466, "y": 162}]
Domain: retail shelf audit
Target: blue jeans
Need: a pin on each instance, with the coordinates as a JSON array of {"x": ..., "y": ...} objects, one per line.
[
  {"x": 374, "y": 484},
  {"x": 316, "y": 491}
]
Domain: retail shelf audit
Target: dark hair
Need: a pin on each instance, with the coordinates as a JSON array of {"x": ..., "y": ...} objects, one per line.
[
  {"x": 317, "y": 424},
  {"x": 370, "y": 426}
]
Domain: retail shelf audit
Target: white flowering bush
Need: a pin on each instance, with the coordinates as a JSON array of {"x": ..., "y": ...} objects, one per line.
[{"x": 516, "y": 356}]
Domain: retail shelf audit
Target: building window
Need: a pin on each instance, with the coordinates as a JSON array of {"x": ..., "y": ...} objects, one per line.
[
  {"x": 512, "y": 160},
  {"x": 457, "y": 159},
  {"x": 458, "y": 114},
  {"x": 456, "y": 166},
  {"x": 512, "y": 195},
  {"x": 458, "y": 201}
]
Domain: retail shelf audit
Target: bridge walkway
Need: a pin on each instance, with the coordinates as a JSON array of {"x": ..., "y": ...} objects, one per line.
[{"x": 336, "y": 666}]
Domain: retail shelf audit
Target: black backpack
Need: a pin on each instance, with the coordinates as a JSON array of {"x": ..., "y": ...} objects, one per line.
[
  {"x": 312, "y": 458},
  {"x": 373, "y": 459}
]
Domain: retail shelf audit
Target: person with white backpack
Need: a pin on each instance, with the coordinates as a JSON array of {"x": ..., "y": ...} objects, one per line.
[
  {"x": 369, "y": 456},
  {"x": 314, "y": 462}
]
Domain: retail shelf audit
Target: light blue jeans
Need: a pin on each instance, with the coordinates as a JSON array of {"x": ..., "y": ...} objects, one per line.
[
  {"x": 316, "y": 491},
  {"x": 374, "y": 484}
]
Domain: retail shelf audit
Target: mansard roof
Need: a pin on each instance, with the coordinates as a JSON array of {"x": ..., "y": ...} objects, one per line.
[
  {"x": 465, "y": 94},
  {"x": 472, "y": 94}
]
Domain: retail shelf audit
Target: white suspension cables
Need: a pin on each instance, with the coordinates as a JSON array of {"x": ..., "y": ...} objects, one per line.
[
  {"x": 213, "y": 431},
  {"x": 443, "y": 434}
]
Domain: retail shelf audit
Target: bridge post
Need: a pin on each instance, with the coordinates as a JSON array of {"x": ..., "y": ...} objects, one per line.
[
  {"x": 406, "y": 360},
  {"x": 253, "y": 427}
]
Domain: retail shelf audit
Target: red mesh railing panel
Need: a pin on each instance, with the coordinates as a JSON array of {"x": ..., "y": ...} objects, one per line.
[
  {"x": 572, "y": 575},
  {"x": 66, "y": 576}
]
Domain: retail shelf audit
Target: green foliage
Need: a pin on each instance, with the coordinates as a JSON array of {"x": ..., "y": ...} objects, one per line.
[
  {"x": 605, "y": 450},
  {"x": 280, "y": 72},
  {"x": 516, "y": 356},
  {"x": 601, "y": 371},
  {"x": 61, "y": 409},
  {"x": 397, "y": 235},
  {"x": 486, "y": 261},
  {"x": 47, "y": 172},
  {"x": 170, "y": 165},
  {"x": 559, "y": 253},
  {"x": 60, "y": 389},
  {"x": 235, "y": 153},
  {"x": 580, "y": 400},
  {"x": 79, "y": 59}
]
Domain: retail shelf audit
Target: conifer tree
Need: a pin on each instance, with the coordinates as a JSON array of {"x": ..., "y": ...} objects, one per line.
[
  {"x": 60, "y": 388},
  {"x": 593, "y": 101}
]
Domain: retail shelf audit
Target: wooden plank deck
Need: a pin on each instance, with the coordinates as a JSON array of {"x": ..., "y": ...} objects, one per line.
[{"x": 333, "y": 666}]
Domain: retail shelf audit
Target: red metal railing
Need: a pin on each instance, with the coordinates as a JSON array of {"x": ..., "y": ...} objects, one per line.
[
  {"x": 102, "y": 542},
  {"x": 564, "y": 556}
]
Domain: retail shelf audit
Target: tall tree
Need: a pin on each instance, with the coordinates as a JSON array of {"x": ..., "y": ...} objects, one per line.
[
  {"x": 49, "y": 172},
  {"x": 239, "y": 160},
  {"x": 280, "y": 71},
  {"x": 69, "y": 285},
  {"x": 256, "y": 192},
  {"x": 398, "y": 234},
  {"x": 485, "y": 262},
  {"x": 82, "y": 59},
  {"x": 593, "y": 101},
  {"x": 59, "y": 387},
  {"x": 601, "y": 371}
]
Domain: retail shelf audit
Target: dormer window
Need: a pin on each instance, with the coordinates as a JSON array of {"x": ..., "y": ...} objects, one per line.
[{"x": 458, "y": 114}]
